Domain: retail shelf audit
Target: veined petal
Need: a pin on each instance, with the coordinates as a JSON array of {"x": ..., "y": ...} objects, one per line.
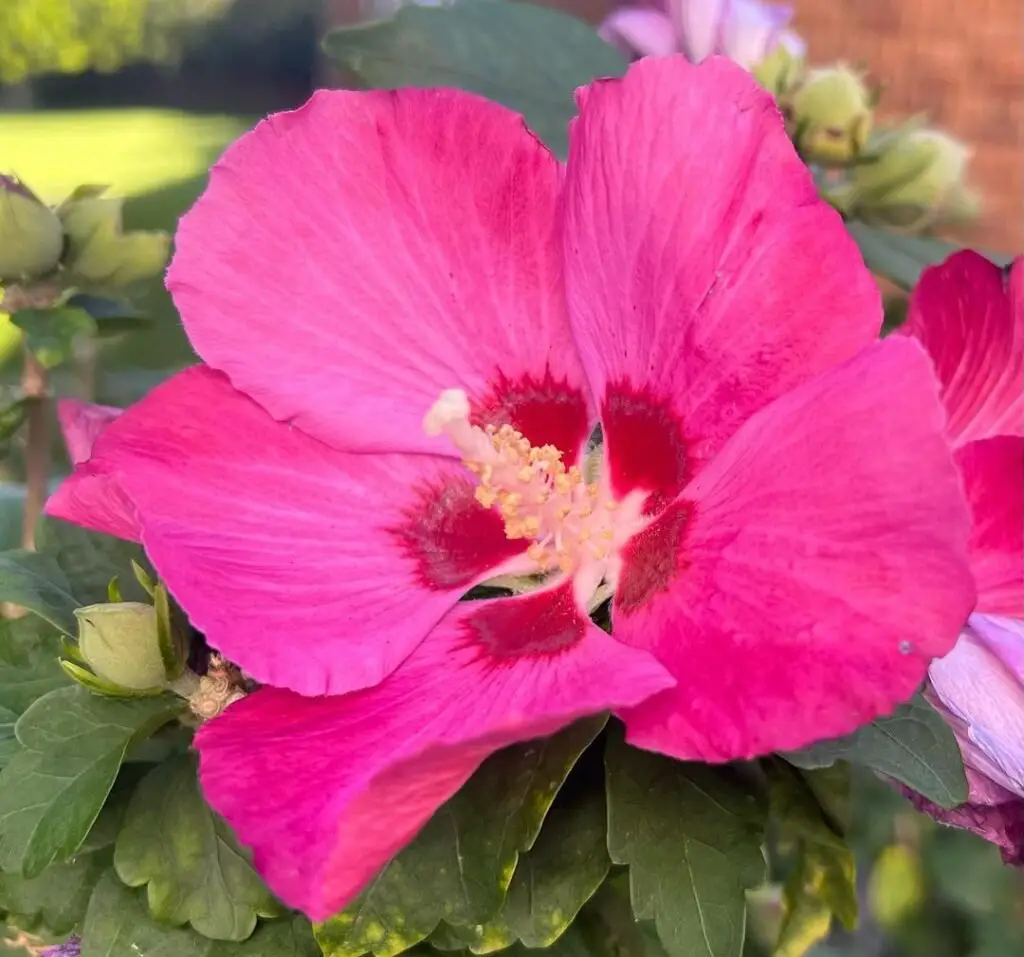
[
  {"x": 993, "y": 475},
  {"x": 969, "y": 314},
  {"x": 354, "y": 258},
  {"x": 88, "y": 498},
  {"x": 693, "y": 292},
  {"x": 80, "y": 424},
  {"x": 805, "y": 579},
  {"x": 985, "y": 694},
  {"x": 697, "y": 24},
  {"x": 311, "y": 569},
  {"x": 639, "y": 31},
  {"x": 327, "y": 790}
]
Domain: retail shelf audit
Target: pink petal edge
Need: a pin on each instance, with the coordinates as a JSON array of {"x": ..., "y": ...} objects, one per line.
[
  {"x": 692, "y": 296},
  {"x": 327, "y": 790},
  {"x": 820, "y": 565},
  {"x": 352, "y": 259},
  {"x": 310, "y": 569},
  {"x": 969, "y": 314}
]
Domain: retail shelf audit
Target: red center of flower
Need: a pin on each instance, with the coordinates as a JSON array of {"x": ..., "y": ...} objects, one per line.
[{"x": 569, "y": 520}]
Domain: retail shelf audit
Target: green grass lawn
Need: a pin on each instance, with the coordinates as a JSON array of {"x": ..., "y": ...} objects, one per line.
[{"x": 158, "y": 159}]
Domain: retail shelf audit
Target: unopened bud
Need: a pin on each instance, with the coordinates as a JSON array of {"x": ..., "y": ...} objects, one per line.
[
  {"x": 31, "y": 238},
  {"x": 99, "y": 252},
  {"x": 120, "y": 643},
  {"x": 830, "y": 115},
  {"x": 917, "y": 180}
]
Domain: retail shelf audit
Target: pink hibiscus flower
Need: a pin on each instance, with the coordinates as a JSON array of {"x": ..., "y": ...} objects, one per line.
[
  {"x": 412, "y": 317},
  {"x": 969, "y": 314}
]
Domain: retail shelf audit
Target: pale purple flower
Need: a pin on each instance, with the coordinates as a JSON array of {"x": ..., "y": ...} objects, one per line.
[
  {"x": 746, "y": 31},
  {"x": 979, "y": 688}
]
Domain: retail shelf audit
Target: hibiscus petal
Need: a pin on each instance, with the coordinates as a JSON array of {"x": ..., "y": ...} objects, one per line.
[
  {"x": 969, "y": 314},
  {"x": 692, "y": 287},
  {"x": 80, "y": 424},
  {"x": 311, "y": 569},
  {"x": 993, "y": 474},
  {"x": 807, "y": 577},
  {"x": 999, "y": 824},
  {"x": 94, "y": 501},
  {"x": 353, "y": 258},
  {"x": 697, "y": 24},
  {"x": 974, "y": 684},
  {"x": 751, "y": 29},
  {"x": 326, "y": 791},
  {"x": 636, "y": 31}
]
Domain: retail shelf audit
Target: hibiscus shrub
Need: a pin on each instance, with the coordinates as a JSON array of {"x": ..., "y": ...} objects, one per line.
[{"x": 540, "y": 548}]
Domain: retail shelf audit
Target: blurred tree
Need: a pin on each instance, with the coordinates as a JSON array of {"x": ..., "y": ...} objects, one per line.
[{"x": 71, "y": 36}]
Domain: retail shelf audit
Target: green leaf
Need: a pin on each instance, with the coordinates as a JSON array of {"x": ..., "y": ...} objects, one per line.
[
  {"x": 691, "y": 836},
  {"x": 117, "y": 924},
  {"x": 552, "y": 881},
  {"x": 35, "y": 581},
  {"x": 50, "y": 334},
  {"x": 52, "y": 791},
  {"x": 196, "y": 873},
  {"x": 460, "y": 865},
  {"x": 90, "y": 560},
  {"x": 804, "y": 807},
  {"x": 528, "y": 58},
  {"x": 901, "y": 258},
  {"x": 112, "y": 317},
  {"x": 914, "y": 745},
  {"x": 12, "y": 417},
  {"x": 28, "y": 662},
  {"x": 57, "y": 899}
]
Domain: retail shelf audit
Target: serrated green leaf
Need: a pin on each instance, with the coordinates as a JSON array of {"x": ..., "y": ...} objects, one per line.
[
  {"x": 28, "y": 670},
  {"x": 552, "y": 881},
  {"x": 56, "y": 900},
  {"x": 89, "y": 560},
  {"x": 914, "y": 745},
  {"x": 196, "y": 873},
  {"x": 117, "y": 924},
  {"x": 526, "y": 57},
  {"x": 822, "y": 883},
  {"x": 35, "y": 581},
  {"x": 460, "y": 865},
  {"x": 902, "y": 259},
  {"x": 691, "y": 836},
  {"x": 52, "y": 791},
  {"x": 50, "y": 334}
]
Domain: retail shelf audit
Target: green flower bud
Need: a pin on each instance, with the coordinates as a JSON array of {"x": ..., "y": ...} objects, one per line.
[
  {"x": 830, "y": 115},
  {"x": 121, "y": 645},
  {"x": 99, "y": 252},
  {"x": 31, "y": 239},
  {"x": 916, "y": 181}
]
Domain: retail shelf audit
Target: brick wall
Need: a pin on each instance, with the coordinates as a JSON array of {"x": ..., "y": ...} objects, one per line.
[{"x": 962, "y": 63}]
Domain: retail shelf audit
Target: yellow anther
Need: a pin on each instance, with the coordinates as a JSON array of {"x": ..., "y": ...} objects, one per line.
[{"x": 485, "y": 496}]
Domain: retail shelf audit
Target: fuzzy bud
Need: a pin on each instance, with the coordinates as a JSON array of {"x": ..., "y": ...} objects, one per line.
[
  {"x": 120, "y": 643},
  {"x": 31, "y": 239},
  {"x": 916, "y": 182},
  {"x": 99, "y": 252},
  {"x": 830, "y": 115}
]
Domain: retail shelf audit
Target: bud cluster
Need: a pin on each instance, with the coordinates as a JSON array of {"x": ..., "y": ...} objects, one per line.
[
  {"x": 910, "y": 177},
  {"x": 81, "y": 245}
]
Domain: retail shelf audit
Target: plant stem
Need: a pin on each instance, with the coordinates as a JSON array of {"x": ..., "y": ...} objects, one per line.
[{"x": 37, "y": 446}]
